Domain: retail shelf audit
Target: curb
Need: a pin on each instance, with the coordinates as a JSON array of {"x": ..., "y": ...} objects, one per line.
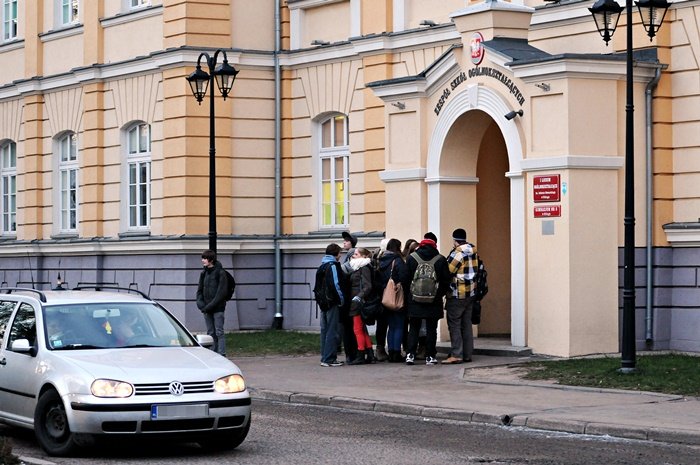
[{"x": 516, "y": 420}]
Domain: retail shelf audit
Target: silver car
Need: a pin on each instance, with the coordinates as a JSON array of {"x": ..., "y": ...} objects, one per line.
[{"x": 82, "y": 364}]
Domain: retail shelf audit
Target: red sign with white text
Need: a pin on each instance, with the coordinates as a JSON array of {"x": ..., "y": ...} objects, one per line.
[
  {"x": 546, "y": 211},
  {"x": 546, "y": 188}
]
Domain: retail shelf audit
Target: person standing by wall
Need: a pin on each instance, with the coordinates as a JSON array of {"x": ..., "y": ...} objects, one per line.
[
  {"x": 330, "y": 298},
  {"x": 360, "y": 288},
  {"x": 392, "y": 265},
  {"x": 462, "y": 263},
  {"x": 424, "y": 305},
  {"x": 211, "y": 298},
  {"x": 346, "y": 324}
]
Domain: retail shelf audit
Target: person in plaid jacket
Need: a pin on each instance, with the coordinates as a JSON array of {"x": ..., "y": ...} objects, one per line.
[{"x": 462, "y": 262}]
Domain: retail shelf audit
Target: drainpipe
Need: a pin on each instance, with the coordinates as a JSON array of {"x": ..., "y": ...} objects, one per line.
[
  {"x": 649, "y": 318},
  {"x": 279, "y": 319}
]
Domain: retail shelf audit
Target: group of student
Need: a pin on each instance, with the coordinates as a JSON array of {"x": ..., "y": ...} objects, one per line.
[{"x": 433, "y": 285}]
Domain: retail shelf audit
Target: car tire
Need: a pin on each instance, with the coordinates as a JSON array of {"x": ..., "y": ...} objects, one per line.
[
  {"x": 225, "y": 440},
  {"x": 51, "y": 426}
]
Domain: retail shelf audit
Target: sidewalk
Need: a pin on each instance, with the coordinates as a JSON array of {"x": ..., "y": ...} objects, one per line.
[{"x": 487, "y": 390}]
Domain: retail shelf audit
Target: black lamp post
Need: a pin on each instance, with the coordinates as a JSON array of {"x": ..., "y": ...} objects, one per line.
[
  {"x": 200, "y": 81},
  {"x": 606, "y": 14}
]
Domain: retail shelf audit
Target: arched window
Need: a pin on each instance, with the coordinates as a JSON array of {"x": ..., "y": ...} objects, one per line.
[
  {"x": 8, "y": 179},
  {"x": 334, "y": 154},
  {"x": 67, "y": 152},
  {"x": 138, "y": 173}
]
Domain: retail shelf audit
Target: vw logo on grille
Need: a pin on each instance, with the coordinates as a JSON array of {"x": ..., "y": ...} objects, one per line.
[{"x": 176, "y": 388}]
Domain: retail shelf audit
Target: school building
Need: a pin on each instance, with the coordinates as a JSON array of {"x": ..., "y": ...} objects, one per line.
[{"x": 386, "y": 118}]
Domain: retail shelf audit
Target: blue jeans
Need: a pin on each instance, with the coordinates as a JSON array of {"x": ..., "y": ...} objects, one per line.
[
  {"x": 330, "y": 336},
  {"x": 395, "y": 334},
  {"x": 215, "y": 328}
]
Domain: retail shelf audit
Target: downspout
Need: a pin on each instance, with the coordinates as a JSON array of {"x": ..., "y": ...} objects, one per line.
[
  {"x": 279, "y": 318},
  {"x": 649, "y": 318}
]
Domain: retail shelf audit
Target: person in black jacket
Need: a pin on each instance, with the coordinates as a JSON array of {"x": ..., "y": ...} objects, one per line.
[
  {"x": 391, "y": 265},
  {"x": 211, "y": 299},
  {"x": 432, "y": 311}
]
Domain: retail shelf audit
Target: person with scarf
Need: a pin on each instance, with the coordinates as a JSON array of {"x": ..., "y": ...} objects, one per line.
[
  {"x": 431, "y": 312},
  {"x": 360, "y": 290}
]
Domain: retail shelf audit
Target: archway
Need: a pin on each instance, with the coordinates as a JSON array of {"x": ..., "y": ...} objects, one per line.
[{"x": 474, "y": 162}]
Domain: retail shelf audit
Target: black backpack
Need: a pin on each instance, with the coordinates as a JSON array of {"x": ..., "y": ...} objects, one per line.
[
  {"x": 231, "y": 285},
  {"x": 482, "y": 286},
  {"x": 324, "y": 296}
]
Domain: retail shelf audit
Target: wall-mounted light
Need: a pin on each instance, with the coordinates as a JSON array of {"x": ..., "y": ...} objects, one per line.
[
  {"x": 319, "y": 42},
  {"x": 544, "y": 86},
  {"x": 512, "y": 114},
  {"x": 399, "y": 105},
  {"x": 428, "y": 22}
]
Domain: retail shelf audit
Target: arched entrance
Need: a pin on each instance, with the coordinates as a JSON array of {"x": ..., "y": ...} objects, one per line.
[{"x": 474, "y": 181}]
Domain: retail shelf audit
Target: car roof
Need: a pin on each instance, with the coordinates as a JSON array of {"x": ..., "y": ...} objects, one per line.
[{"x": 80, "y": 296}]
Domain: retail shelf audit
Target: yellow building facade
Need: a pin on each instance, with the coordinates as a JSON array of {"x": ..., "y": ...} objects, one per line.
[{"x": 388, "y": 118}]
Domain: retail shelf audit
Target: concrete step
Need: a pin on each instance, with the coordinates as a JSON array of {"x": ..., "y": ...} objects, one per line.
[{"x": 500, "y": 347}]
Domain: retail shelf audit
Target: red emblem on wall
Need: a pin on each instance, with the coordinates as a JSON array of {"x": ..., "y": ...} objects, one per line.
[{"x": 477, "y": 48}]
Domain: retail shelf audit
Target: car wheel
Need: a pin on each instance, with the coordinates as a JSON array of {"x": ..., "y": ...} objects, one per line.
[
  {"x": 225, "y": 440},
  {"x": 51, "y": 425}
]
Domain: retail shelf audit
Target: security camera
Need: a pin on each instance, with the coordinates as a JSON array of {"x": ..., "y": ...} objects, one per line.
[{"x": 512, "y": 114}]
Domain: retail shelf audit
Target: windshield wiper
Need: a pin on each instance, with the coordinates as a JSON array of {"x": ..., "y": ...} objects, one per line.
[{"x": 78, "y": 347}]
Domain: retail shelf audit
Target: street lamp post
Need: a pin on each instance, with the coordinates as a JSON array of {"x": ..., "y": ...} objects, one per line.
[
  {"x": 606, "y": 14},
  {"x": 200, "y": 81}
]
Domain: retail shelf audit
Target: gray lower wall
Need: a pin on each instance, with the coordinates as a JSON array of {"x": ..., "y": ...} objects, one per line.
[{"x": 172, "y": 280}]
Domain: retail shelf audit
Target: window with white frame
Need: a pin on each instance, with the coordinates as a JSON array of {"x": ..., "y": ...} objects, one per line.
[
  {"x": 334, "y": 153},
  {"x": 138, "y": 169},
  {"x": 68, "y": 182},
  {"x": 9, "y": 19},
  {"x": 69, "y": 11},
  {"x": 139, "y": 3},
  {"x": 8, "y": 179}
]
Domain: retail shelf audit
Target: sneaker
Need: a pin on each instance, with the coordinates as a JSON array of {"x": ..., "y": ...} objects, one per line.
[
  {"x": 334, "y": 363},
  {"x": 431, "y": 360},
  {"x": 410, "y": 359}
]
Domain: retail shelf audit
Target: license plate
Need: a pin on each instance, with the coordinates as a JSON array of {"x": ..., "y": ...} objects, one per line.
[{"x": 167, "y": 412}]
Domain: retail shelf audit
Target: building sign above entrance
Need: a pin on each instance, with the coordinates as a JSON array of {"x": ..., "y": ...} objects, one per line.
[
  {"x": 546, "y": 188},
  {"x": 547, "y": 211},
  {"x": 477, "y": 48}
]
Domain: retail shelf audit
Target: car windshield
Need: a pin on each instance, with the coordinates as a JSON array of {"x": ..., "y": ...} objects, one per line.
[{"x": 110, "y": 325}]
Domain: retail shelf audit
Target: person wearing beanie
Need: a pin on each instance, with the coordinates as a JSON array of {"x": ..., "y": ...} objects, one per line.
[
  {"x": 420, "y": 307},
  {"x": 462, "y": 262}
]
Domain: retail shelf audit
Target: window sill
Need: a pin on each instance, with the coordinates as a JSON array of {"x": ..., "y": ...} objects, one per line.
[
  {"x": 127, "y": 234},
  {"x": 683, "y": 234}
]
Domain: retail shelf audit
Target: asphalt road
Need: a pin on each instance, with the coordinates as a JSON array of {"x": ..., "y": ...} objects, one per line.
[{"x": 288, "y": 434}]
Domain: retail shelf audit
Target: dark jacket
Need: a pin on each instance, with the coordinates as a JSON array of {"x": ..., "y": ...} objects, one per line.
[
  {"x": 212, "y": 289},
  {"x": 360, "y": 286},
  {"x": 400, "y": 273},
  {"x": 336, "y": 279},
  {"x": 433, "y": 309}
]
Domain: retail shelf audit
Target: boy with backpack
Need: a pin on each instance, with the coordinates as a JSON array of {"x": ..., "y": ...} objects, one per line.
[
  {"x": 429, "y": 283},
  {"x": 329, "y": 298},
  {"x": 462, "y": 263},
  {"x": 215, "y": 288}
]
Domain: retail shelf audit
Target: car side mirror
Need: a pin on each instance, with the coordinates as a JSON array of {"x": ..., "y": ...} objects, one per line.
[
  {"x": 205, "y": 340},
  {"x": 22, "y": 346}
]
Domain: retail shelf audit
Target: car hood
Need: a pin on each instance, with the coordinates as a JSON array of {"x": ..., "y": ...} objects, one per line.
[{"x": 144, "y": 365}]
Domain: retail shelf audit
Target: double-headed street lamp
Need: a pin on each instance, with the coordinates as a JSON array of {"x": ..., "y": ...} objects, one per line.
[
  {"x": 200, "y": 81},
  {"x": 606, "y": 14}
]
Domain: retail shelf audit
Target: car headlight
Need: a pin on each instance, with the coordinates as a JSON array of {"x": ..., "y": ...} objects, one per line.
[
  {"x": 111, "y": 388},
  {"x": 229, "y": 384}
]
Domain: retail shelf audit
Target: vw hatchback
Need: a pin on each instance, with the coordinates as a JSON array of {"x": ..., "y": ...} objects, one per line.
[{"x": 81, "y": 364}]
